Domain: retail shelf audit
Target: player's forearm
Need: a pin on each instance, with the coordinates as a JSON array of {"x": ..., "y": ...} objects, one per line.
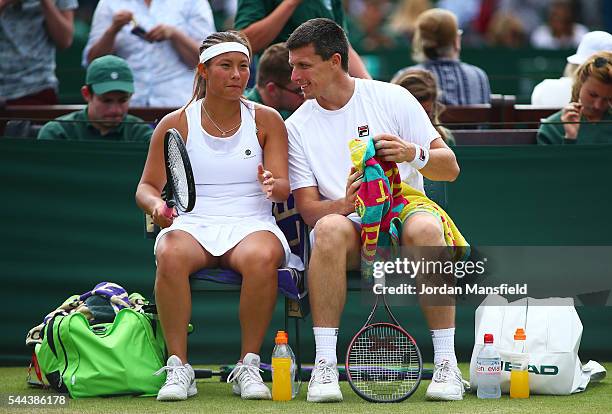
[
  {"x": 312, "y": 211},
  {"x": 147, "y": 197},
  {"x": 186, "y": 47},
  {"x": 104, "y": 45},
  {"x": 263, "y": 32},
  {"x": 59, "y": 24},
  {"x": 442, "y": 165}
]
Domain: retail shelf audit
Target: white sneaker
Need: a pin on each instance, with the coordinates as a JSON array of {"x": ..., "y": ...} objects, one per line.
[
  {"x": 447, "y": 384},
  {"x": 323, "y": 385},
  {"x": 247, "y": 380},
  {"x": 180, "y": 381}
]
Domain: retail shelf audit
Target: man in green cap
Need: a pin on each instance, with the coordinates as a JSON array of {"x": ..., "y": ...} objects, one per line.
[{"x": 109, "y": 85}]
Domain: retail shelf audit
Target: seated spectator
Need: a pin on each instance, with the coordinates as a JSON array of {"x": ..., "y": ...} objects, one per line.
[
  {"x": 404, "y": 17},
  {"x": 437, "y": 45},
  {"x": 369, "y": 31},
  {"x": 591, "y": 103},
  {"x": 422, "y": 85},
  {"x": 560, "y": 31},
  {"x": 109, "y": 84},
  {"x": 274, "y": 87},
  {"x": 506, "y": 30},
  {"x": 160, "y": 43},
  {"x": 29, "y": 33},
  {"x": 557, "y": 92}
]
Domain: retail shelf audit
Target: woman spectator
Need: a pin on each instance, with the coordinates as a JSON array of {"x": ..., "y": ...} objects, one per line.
[
  {"x": 437, "y": 45},
  {"x": 422, "y": 85},
  {"x": 591, "y": 103}
]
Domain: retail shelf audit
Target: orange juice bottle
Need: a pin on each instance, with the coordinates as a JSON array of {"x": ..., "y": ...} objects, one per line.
[
  {"x": 281, "y": 368},
  {"x": 519, "y": 375}
]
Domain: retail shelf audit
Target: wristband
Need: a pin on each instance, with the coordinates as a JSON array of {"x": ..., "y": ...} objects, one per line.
[{"x": 421, "y": 157}]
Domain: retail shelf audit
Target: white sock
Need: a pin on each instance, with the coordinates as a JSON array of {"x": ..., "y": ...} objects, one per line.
[
  {"x": 444, "y": 345},
  {"x": 325, "y": 341}
]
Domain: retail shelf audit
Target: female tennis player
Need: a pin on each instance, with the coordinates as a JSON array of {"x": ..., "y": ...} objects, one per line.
[{"x": 238, "y": 153}]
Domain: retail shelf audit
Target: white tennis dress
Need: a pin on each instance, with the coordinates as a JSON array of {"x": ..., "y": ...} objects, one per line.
[{"x": 230, "y": 203}]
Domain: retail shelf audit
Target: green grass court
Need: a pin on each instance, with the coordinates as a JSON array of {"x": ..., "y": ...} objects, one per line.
[{"x": 215, "y": 397}]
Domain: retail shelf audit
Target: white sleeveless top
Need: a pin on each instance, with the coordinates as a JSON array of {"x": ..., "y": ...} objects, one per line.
[{"x": 230, "y": 203}]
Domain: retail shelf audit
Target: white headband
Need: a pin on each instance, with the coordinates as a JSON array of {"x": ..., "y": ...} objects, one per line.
[{"x": 224, "y": 47}]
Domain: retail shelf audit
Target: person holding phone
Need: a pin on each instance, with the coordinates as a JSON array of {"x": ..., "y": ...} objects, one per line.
[
  {"x": 159, "y": 42},
  {"x": 591, "y": 103}
]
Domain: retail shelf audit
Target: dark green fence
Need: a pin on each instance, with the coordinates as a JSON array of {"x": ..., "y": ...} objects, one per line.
[{"x": 69, "y": 221}]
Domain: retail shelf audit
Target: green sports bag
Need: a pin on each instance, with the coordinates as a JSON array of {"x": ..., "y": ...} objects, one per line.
[{"x": 104, "y": 359}]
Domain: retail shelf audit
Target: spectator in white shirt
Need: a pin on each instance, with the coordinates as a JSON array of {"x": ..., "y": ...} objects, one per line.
[
  {"x": 556, "y": 93},
  {"x": 561, "y": 31},
  {"x": 162, "y": 52}
]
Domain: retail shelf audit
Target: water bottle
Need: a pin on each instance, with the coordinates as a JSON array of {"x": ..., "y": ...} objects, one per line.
[
  {"x": 488, "y": 370},
  {"x": 284, "y": 386},
  {"x": 519, "y": 374}
]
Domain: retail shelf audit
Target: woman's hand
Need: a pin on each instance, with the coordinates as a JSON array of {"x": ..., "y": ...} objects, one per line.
[
  {"x": 266, "y": 180},
  {"x": 162, "y": 215},
  {"x": 571, "y": 113}
]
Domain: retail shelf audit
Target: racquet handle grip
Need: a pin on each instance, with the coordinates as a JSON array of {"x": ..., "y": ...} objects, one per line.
[{"x": 169, "y": 209}]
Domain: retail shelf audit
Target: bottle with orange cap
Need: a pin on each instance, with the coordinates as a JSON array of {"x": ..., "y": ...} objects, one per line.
[
  {"x": 519, "y": 375},
  {"x": 283, "y": 368}
]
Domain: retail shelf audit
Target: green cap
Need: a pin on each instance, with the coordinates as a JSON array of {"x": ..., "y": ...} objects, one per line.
[{"x": 109, "y": 73}]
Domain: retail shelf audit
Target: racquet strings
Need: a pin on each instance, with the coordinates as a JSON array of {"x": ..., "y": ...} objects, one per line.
[
  {"x": 384, "y": 363},
  {"x": 178, "y": 174}
]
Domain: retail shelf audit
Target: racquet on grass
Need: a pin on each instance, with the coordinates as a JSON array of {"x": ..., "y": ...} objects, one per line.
[
  {"x": 383, "y": 362},
  {"x": 180, "y": 191}
]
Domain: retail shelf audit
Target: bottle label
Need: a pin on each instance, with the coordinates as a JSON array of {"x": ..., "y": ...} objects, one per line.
[{"x": 492, "y": 367}]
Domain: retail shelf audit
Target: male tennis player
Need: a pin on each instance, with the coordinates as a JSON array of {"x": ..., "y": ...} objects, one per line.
[{"x": 339, "y": 108}]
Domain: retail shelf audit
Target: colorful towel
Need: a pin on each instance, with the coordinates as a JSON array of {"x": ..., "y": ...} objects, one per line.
[{"x": 384, "y": 202}]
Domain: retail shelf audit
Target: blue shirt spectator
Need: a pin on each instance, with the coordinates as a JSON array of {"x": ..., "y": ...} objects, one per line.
[
  {"x": 164, "y": 55},
  {"x": 436, "y": 44}
]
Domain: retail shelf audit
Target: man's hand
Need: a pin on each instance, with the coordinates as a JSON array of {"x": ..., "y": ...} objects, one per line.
[
  {"x": 266, "y": 180},
  {"x": 353, "y": 183},
  {"x": 392, "y": 148},
  {"x": 571, "y": 113},
  {"x": 120, "y": 19},
  {"x": 160, "y": 33}
]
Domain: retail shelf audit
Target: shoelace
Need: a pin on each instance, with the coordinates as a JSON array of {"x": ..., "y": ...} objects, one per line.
[
  {"x": 251, "y": 374},
  {"x": 176, "y": 374},
  {"x": 444, "y": 372},
  {"x": 323, "y": 374}
]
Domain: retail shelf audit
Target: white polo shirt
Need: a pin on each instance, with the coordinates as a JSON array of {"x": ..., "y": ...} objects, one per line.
[{"x": 318, "y": 138}]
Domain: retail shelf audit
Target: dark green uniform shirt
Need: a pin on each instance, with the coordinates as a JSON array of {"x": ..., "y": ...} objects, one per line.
[
  {"x": 253, "y": 95},
  {"x": 132, "y": 129},
  {"x": 595, "y": 133},
  {"x": 251, "y": 11}
]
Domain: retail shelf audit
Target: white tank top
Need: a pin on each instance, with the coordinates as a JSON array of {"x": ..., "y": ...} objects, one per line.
[{"x": 225, "y": 169}]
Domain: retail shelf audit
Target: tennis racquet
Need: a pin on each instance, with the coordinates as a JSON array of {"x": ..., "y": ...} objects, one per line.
[
  {"x": 180, "y": 191},
  {"x": 383, "y": 362}
]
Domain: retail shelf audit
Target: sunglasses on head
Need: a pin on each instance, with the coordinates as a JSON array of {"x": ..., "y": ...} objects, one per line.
[
  {"x": 600, "y": 62},
  {"x": 296, "y": 91}
]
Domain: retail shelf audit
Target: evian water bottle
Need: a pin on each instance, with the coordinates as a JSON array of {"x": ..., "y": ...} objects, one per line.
[{"x": 488, "y": 370}]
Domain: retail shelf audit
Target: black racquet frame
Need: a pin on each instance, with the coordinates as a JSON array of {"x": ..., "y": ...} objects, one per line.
[
  {"x": 395, "y": 325},
  {"x": 174, "y": 137}
]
